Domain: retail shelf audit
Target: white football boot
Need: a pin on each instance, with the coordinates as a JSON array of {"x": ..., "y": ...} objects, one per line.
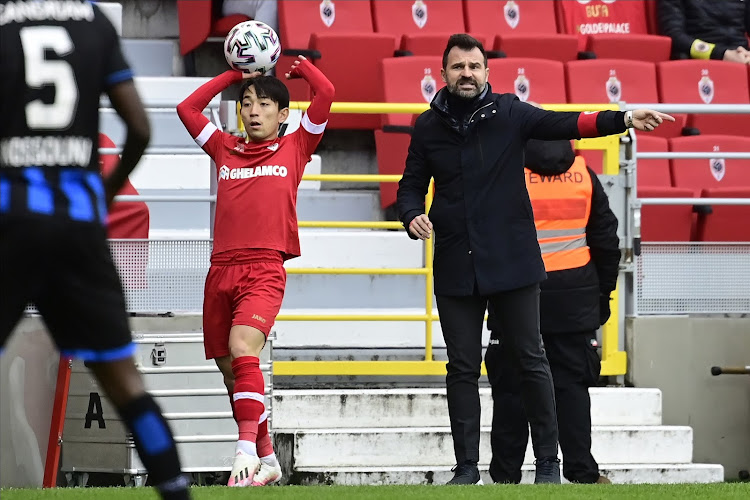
[
  {"x": 244, "y": 469},
  {"x": 268, "y": 474}
]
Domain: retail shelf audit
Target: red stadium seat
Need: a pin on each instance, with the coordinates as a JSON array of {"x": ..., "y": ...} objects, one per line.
[
  {"x": 661, "y": 222},
  {"x": 196, "y": 23},
  {"x": 493, "y": 17},
  {"x": 432, "y": 44},
  {"x": 405, "y": 79},
  {"x": 666, "y": 222},
  {"x": 611, "y": 80},
  {"x": 391, "y": 150},
  {"x": 709, "y": 82},
  {"x": 725, "y": 222},
  {"x": 538, "y": 80},
  {"x": 653, "y": 172},
  {"x": 634, "y": 81},
  {"x": 409, "y": 79},
  {"x": 710, "y": 173},
  {"x": 639, "y": 47},
  {"x": 353, "y": 84},
  {"x": 547, "y": 46},
  {"x": 402, "y": 17},
  {"x": 299, "y": 19},
  {"x": 597, "y": 81},
  {"x": 597, "y": 17}
]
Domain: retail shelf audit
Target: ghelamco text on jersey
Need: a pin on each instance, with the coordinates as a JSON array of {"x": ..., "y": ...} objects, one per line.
[{"x": 249, "y": 172}]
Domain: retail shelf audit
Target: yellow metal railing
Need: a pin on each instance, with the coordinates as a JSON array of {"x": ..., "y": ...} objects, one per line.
[{"x": 613, "y": 360}]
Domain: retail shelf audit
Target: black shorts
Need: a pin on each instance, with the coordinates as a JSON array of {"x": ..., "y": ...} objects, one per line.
[{"x": 66, "y": 270}]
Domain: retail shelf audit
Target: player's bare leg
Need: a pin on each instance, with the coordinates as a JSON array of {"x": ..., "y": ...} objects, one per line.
[
  {"x": 225, "y": 367},
  {"x": 245, "y": 345}
]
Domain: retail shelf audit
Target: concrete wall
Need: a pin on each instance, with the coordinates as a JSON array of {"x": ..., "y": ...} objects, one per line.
[
  {"x": 675, "y": 354},
  {"x": 148, "y": 18},
  {"x": 28, "y": 375}
]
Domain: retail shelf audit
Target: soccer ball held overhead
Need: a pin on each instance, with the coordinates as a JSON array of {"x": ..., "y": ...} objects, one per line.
[{"x": 252, "y": 46}]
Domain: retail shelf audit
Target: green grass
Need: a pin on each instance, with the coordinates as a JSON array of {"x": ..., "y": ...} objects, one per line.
[{"x": 729, "y": 491}]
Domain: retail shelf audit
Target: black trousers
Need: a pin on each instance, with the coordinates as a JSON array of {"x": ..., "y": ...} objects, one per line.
[
  {"x": 575, "y": 366},
  {"x": 461, "y": 320}
]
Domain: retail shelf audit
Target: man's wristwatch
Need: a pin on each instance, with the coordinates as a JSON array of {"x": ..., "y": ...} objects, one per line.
[{"x": 629, "y": 119}]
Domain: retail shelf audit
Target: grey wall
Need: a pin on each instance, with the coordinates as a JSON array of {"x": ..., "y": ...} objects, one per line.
[
  {"x": 28, "y": 376},
  {"x": 148, "y": 18},
  {"x": 675, "y": 354}
]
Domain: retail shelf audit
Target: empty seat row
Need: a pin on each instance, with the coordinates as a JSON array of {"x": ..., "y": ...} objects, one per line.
[
  {"x": 348, "y": 39},
  {"x": 689, "y": 178},
  {"x": 583, "y": 20}
]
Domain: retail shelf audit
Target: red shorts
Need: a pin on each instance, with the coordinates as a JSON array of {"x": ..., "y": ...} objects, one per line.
[{"x": 248, "y": 291}]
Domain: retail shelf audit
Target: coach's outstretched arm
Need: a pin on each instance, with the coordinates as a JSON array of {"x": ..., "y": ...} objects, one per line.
[{"x": 537, "y": 123}]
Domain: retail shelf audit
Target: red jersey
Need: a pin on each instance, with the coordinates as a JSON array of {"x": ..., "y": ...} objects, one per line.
[{"x": 256, "y": 200}]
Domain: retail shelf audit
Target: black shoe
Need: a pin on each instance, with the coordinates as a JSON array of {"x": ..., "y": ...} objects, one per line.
[
  {"x": 465, "y": 474},
  {"x": 547, "y": 471}
]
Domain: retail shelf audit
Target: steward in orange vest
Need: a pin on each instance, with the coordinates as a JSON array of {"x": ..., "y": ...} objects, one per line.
[{"x": 577, "y": 234}]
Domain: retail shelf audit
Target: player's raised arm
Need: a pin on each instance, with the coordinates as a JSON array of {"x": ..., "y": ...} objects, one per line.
[
  {"x": 322, "y": 88},
  {"x": 191, "y": 109}
]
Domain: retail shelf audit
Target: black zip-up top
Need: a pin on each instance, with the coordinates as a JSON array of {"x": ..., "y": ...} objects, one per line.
[
  {"x": 721, "y": 22},
  {"x": 485, "y": 239}
]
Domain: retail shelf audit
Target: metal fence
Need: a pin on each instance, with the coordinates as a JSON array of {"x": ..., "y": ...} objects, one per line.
[{"x": 685, "y": 277}]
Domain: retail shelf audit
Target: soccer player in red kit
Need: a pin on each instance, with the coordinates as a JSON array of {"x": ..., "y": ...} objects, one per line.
[{"x": 255, "y": 231}]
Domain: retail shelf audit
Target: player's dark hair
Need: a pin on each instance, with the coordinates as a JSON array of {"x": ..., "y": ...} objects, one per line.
[
  {"x": 463, "y": 42},
  {"x": 268, "y": 87}
]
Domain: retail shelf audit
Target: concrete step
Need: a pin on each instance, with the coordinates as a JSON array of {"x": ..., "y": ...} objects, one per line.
[
  {"x": 166, "y": 128},
  {"x": 337, "y": 408},
  {"x": 150, "y": 57},
  {"x": 431, "y": 446},
  {"x": 617, "y": 473}
]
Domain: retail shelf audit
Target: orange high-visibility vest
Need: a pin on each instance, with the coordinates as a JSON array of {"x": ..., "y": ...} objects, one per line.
[{"x": 562, "y": 204}]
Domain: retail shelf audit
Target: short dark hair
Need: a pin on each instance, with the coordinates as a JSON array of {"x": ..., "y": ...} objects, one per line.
[
  {"x": 463, "y": 42},
  {"x": 268, "y": 87}
]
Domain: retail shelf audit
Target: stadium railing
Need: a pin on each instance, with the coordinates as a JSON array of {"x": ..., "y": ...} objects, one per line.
[{"x": 690, "y": 277}]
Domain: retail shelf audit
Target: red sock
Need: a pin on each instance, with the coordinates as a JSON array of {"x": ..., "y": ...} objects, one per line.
[
  {"x": 265, "y": 447},
  {"x": 249, "y": 396}
]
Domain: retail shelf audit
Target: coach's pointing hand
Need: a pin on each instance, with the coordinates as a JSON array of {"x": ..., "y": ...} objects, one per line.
[
  {"x": 421, "y": 227},
  {"x": 647, "y": 120}
]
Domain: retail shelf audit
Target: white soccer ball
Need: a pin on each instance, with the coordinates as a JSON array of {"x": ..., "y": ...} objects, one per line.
[{"x": 252, "y": 46}]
